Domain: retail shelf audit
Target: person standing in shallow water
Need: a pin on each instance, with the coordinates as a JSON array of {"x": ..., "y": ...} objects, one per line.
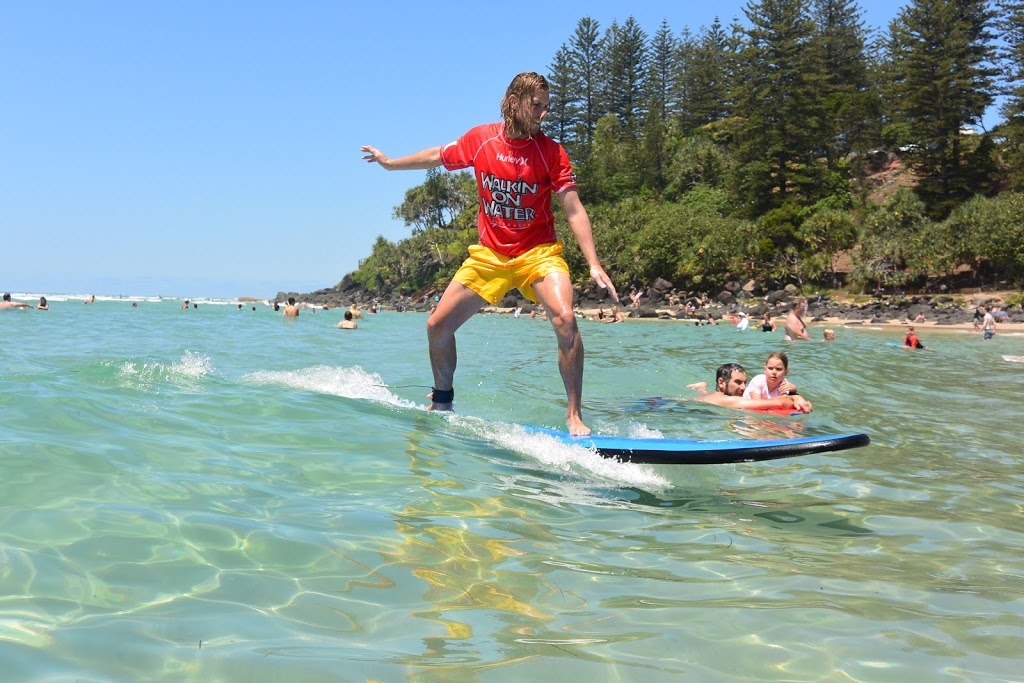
[
  {"x": 988, "y": 324},
  {"x": 348, "y": 323},
  {"x": 517, "y": 169},
  {"x": 795, "y": 327},
  {"x": 8, "y": 303}
]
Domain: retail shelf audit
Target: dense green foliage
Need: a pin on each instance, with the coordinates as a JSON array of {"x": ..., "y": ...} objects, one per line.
[{"x": 729, "y": 153}]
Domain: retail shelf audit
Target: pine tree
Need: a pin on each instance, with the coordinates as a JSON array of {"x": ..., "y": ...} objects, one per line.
[
  {"x": 706, "y": 77},
  {"x": 626, "y": 72},
  {"x": 563, "y": 121},
  {"x": 663, "y": 51},
  {"x": 779, "y": 96},
  {"x": 1011, "y": 26},
  {"x": 852, "y": 110},
  {"x": 945, "y": 82},
  {"x": 586, "y": 49},
  {"x": 886, "y": 72},
  {"x": 659, "y": 101},
  {"x": 682, "y": 94}
]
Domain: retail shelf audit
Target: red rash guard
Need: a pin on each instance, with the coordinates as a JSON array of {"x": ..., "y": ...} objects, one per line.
[{"x": 514, "y": 179}]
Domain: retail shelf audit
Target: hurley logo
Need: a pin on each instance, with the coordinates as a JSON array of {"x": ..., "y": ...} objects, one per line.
[{"x": 509, "y": 159}]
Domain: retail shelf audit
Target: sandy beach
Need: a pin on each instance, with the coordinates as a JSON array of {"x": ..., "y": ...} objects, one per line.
[{"x": 927, "y": 327}]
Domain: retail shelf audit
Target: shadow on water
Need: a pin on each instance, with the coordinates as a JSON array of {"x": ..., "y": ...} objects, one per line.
[{"x": 803, "y": 519}]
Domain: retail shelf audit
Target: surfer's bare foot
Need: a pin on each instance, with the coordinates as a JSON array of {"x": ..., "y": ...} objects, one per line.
[{"x": 576, "y": 427}]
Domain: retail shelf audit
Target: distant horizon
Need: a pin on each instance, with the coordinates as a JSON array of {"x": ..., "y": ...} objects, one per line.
[
  {"x": 145, "y": 287},
  {"x": 75, "y": 296}
]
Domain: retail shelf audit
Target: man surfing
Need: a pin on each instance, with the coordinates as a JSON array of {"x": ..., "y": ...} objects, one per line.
[{"x": 517, "y": 169}]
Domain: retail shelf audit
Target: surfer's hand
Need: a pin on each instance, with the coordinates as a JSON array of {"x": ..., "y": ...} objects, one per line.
[
  {"x": 374, "y": 155},
  {"x": 603, "y": 281}
]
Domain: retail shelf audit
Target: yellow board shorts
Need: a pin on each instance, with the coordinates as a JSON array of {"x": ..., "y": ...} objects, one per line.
[{"x": 492, "y": 275}]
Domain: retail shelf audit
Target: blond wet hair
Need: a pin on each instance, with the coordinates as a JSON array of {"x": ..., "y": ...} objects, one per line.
[{"x": 521, "y": 89}]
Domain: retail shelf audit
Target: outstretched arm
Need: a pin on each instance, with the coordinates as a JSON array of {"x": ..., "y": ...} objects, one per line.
[
  {"x": 794, "y": 402},
  {"x": 785, "y": 401},
  {"x": 427, "y": 158},
  {"x": 579, "y": 223}
]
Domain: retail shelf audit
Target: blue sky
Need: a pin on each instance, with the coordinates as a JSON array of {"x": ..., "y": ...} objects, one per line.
[{"x": 212, "y": 148}]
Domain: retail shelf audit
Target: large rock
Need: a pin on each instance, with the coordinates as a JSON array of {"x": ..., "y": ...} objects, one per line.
[
  {"x": 347, "y": 284},
  {"x": 661, "y": 285},
  {"x": 644, "y": 312},
  {"x": 733, "y": 286}
]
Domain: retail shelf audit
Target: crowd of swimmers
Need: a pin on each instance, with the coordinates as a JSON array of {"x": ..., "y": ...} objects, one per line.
[
  {"x": 290, "y": 309},
  {"x": 769, "y": 390},
  {"x": 985, "y": 319}
]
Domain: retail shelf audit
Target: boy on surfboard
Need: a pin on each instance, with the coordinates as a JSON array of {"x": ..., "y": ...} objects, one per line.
[{"x": 517, "y": 169}]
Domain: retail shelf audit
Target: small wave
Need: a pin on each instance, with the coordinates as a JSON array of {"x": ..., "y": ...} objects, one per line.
[
  {"x": 559, "y": 456},
  {"x": 132, "y": 298},
  {"x": 353, "y": 382},
  {"x": 191, "y": 367},
  {"x": 641, "y": 431}
]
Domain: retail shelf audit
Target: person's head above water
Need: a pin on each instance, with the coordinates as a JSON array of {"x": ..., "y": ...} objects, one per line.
[{"x": 731, "y": 379}]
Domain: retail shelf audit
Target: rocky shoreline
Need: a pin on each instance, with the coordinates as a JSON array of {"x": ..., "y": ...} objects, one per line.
[{"x": 661, "y": 300}]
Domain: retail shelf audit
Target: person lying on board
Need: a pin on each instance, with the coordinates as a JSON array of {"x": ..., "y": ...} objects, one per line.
[{"x": 731, "y": 382}]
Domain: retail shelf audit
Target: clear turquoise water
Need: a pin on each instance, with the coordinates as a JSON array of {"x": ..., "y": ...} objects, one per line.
[{"x": 224, "y": 495}]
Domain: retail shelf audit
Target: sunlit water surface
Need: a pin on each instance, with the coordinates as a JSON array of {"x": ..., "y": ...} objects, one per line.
[{"x": 217, "y": 494}]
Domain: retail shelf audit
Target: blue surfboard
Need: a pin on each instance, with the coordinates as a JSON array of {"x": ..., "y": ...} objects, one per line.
[{"x": 697, "y": 452}]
